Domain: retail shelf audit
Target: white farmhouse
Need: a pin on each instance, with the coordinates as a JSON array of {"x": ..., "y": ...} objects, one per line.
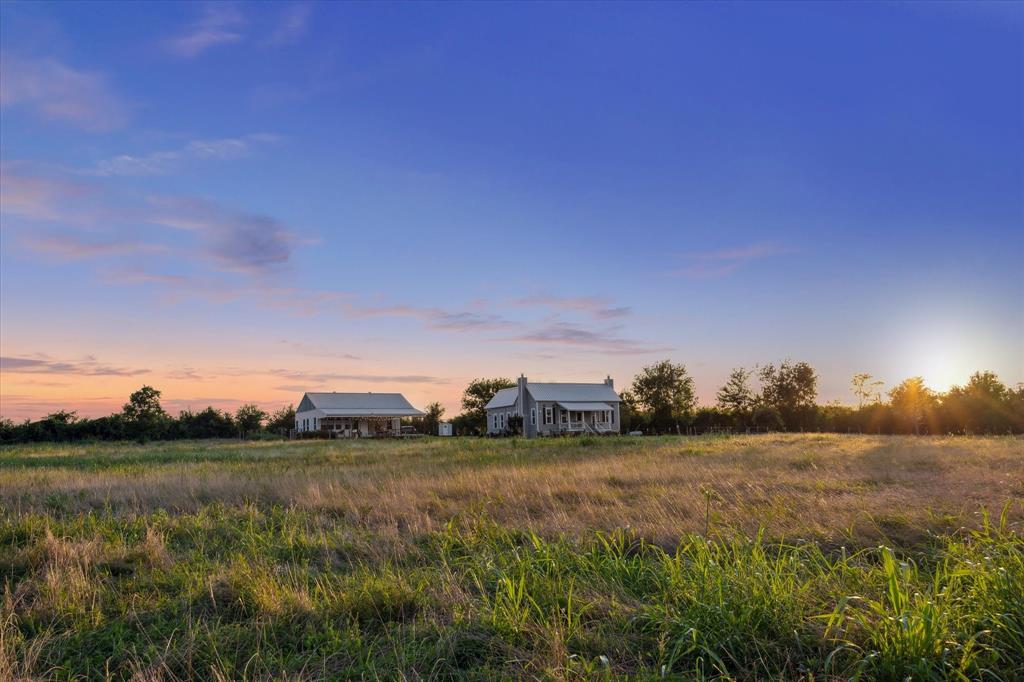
[
  {"x": 549, "y": 409},
  {"x": 353, "y": 415}
]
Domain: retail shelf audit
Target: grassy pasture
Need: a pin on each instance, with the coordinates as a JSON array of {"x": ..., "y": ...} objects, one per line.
[{"x": 782, "y": 557}]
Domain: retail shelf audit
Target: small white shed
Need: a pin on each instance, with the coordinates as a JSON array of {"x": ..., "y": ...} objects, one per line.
[{"x": 444, "y": 429}]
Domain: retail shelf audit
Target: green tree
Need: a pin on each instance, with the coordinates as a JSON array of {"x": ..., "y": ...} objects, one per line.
[
  {"x": 736, "y": 397},
  {"x": 144, "y": 416},
  {"x": 665, "y": 392},
  {"x": 767, "y": 418},
  {"x": 984, "y": 405},
  {"x": 630, "y": 417},
  {"x": 475, "y": 399},
  {"x": 866, "y": 388},
  {"x": 914, "y": 404},
  {"x": 282, "y": 421},
  {"x": 209, "y": 423},
  {"x": 791, "y": 388},
  {"x": 434, "y": 413},
  {"x": 249, "y": 418}
]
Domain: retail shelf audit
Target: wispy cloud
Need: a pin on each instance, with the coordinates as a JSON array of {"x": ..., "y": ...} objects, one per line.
[
  {"x": 59, "y": 92},
  {"x": 291, "y": 25},
  {"x": 711, "y": 264},
  {"x": 87, "y": 366},
  {"x": 326, "y": 377},
  {"x": 308, "y": 350},
  {"x": 232, "y": 240},
  {"x": 435, "y": 318},
  {"x": 138, "y": 275},
  {"x": 219, "y": 24},
  {"x": 600, "y": 308},
  {"x": 71, "y": 247},
  {"x": 35, "y": 196},
  {"x": 168, "y": 161},
  {"x": 600, "y": 340},
  {"x": 238, "y": 241}
]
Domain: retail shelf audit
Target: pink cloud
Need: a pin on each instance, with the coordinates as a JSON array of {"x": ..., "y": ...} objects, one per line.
[
  {"x": 58, "y": 92},
  {"x": 603, "y": 341},
  {"x": 88, "y": 366},
  {"x": 35, "y": 196},
  {"x": 601, "y": 308},
  {"x": 712, "y": 264},
  {"x": 71, "y": 247}
]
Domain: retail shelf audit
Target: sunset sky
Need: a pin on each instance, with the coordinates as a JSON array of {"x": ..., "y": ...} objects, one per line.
[{"x": 240, "y": 202}]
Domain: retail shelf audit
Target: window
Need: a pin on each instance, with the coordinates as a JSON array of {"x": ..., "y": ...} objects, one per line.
[
  {"x": 563, "y": 416},
  {"x": 502, "y": 420},
  {"x": 548, "y": 415},
  {"x": 533, "y": 416},
  {"x": 612, "y": 413},
  {"x": 495, "y": 418}
]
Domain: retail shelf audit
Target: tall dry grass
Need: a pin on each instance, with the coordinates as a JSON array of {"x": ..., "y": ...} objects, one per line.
[{"x": 827, "y": 487}]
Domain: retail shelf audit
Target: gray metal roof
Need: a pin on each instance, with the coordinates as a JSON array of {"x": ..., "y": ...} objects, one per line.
[
  {"x": 362, "y": 404},
  {"x": 577, "y": 393},
  {"x": 505, "y": 397}
]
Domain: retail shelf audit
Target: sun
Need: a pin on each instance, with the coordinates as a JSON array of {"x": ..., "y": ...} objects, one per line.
[
  {"x": 942, "y": 352},
  {"x": 943, "y": 366}
]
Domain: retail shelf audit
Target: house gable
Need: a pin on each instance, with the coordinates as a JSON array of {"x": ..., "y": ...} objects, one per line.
[{"x": 305, "y": 405}]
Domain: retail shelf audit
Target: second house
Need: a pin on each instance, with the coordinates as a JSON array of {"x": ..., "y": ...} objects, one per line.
[{"x": 549, "y": 409}]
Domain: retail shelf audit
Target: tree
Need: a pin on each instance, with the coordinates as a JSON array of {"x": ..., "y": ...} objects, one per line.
[
  {"x": 914, "y": 403},
  {"x": 464, "y": 425},
  {"x": 736, "y": 397},
  {"x": 984, "y": 405},
  {"x": 209, "y": 423},
  {"x": 477, "y": 395},
  {"x": 630, "y": 418},
  {"x": 434, "y": 413},
  {"x": 866, "y": 388},
  {"x": 665, "y": 392},
  {"x": 791, "y": 388},
  {"x": 767, "y": 419},
  {"x": 249, "y": 418},
  {"x": 282, "y": 421},
  {"x": 144, "y": 416}
]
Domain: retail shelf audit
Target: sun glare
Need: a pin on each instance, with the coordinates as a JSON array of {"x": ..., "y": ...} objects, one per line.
[{"x": 943, "y": 367}]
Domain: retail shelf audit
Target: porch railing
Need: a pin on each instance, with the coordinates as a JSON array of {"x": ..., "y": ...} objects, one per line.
[{"x": 585, "y": 426}]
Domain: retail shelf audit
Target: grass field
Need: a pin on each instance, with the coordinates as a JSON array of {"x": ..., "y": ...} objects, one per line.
[{"x": 784, "y": 557}]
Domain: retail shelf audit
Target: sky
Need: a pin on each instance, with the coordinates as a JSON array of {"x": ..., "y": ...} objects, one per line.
[{"x": 241, "y": 202}]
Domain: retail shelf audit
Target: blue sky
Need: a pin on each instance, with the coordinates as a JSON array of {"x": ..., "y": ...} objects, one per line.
[{"x": 239, "y": 201}]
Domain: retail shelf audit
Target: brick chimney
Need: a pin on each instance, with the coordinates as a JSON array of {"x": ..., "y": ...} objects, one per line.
[
  {"x": 609, "y": 381},
  {"x": 521, "y": 385}
]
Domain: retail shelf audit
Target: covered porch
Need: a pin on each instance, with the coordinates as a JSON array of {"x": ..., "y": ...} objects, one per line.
[
  {"x": 360, "y": 426},
  {"x": 578, "y": 417}
]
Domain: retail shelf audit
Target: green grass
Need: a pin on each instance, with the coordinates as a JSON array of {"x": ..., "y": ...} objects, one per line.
[{"x": 140, "y": 588}]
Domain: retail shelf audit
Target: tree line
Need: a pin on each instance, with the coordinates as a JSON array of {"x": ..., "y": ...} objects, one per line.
[
  {"x": 661, "y": 399},
  {"x": 143, "y": 418},
  {"x": 784, "y": 397}
]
